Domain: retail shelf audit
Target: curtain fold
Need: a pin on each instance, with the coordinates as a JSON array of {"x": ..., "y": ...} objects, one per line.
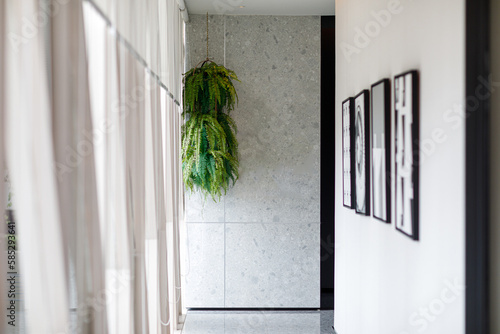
[
  {"x": 3, "y": 191},
  {"x": 173, "y": 188},
  {"x": 132, "y": 98},
  {"x": 30, "y": 155},
  {"x": 151, "y": 228},
  {"x": 164, "y": 305},
  {"x": 120, "y": 251},
  {"x": 95, "y": 33},
  {"x": 72, "y": 125}
]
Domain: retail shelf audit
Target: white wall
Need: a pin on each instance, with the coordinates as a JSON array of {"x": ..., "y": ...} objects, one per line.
[
  {"x": 385, "y": 282},
  {"x": 495, "y": 167}
]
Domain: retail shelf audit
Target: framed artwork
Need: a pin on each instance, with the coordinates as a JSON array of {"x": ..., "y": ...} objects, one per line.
[
  {"x": 381, "y": 149},
  {"x": 362, "y": 153},
  {"x": 406, "y": 149},
  {"x": 347, "y": 152}
]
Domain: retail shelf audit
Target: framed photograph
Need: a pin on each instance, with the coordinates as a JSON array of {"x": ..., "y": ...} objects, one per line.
[
  {"x": 347, "y": 154},
  {"x": 406, "y": 108},
  {"x": 381, "y": 149},
  {"x": 362, "y": 153}
]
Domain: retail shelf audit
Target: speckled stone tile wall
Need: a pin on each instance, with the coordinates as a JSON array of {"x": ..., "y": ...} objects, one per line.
[
  {"x": 272, "y": 265},
  {"x": 277, "y": 59}
]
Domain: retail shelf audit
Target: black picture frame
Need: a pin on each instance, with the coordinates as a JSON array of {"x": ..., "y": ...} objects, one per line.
[
  {"x": 362, "y": 152},
  {"x": 380, "y": 98},
  {"x": 348, "y": 193},
  {"x": 406, "y": 169}
]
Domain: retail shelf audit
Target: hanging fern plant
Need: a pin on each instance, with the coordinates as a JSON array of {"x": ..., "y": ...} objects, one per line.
[{"x": 209, "y": 146}]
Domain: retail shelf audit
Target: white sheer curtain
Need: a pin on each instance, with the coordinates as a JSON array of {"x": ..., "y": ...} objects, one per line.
[
  {"x": 145, "y": 73},
  {"x": 92, "y": 132}
]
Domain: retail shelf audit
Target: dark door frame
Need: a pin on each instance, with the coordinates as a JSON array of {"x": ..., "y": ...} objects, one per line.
[
  {"x": 477, "y": 168},
  {"x": 327, "y": 161}
]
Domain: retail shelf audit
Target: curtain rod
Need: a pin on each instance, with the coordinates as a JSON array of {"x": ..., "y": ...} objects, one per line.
[
  {"x": 183, "y": 9},
  {"x": 132, "y": 50}
]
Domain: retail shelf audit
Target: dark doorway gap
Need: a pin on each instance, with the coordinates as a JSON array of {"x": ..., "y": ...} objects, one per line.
[{"x": 327, "y": 161}]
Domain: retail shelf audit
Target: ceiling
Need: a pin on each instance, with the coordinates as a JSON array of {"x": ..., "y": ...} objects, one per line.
[{"x": 262, "y": 7}]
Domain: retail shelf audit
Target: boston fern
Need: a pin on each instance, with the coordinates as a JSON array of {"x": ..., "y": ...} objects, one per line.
[{"x": 209, "y": 146}]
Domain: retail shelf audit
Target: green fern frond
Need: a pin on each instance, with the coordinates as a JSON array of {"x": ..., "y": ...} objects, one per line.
[{"x": 209, "y": 144}]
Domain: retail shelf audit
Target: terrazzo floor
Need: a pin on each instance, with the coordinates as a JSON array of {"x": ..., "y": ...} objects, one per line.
[{"x": 261, "y": 322}]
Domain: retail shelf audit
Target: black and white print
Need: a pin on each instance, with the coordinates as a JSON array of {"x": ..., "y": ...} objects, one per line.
[
  {"x": 362, "y": 153},
  {"x": 347, "y": 156},
  {"x": 406, "y": 147},
  {"x": 381, "y": 158}
]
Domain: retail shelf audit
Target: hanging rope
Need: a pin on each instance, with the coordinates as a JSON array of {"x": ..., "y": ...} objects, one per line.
[
  {"x": 207, "y": 35},
  {"x": 203, "y": 62}
]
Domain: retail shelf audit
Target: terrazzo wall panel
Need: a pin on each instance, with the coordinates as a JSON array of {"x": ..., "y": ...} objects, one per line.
[{"x": 270, "y": 220}]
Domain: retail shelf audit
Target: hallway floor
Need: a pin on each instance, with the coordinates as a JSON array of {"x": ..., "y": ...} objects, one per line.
[{"x": 262, "y": 322}]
